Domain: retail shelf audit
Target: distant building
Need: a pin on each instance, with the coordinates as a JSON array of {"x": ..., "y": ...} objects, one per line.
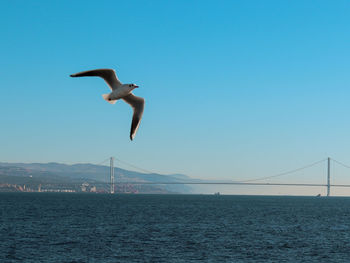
[{"x": 84, "y": 187}]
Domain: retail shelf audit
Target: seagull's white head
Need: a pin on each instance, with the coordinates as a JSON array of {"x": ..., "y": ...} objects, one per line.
[{"x": 131, "y": 86}]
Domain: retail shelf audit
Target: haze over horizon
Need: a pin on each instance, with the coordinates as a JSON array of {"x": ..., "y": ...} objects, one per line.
[{"x": 233, "y": 89}]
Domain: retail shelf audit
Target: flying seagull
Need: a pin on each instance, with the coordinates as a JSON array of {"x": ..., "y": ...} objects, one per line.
[{"x": 119, "y": 91}]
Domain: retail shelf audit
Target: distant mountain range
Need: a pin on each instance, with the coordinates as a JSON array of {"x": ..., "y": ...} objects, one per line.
[{"x": 52, "y": 175}]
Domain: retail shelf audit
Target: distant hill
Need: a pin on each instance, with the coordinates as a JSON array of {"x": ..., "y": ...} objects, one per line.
[{"x": 33, "y": 174}]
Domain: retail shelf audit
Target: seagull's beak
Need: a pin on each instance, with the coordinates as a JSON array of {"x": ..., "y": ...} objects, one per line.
[{"x": 136, "y": 86}]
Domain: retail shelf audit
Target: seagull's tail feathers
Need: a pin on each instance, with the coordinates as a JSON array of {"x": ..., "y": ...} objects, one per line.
[{"x": 106, "y": 98}]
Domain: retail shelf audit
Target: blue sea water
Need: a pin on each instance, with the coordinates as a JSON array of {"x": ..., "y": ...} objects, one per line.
[{"x": 43, "y": 227}]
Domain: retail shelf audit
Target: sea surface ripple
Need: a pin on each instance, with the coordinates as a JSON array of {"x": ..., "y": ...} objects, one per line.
[{"x": 48, "y": 227}]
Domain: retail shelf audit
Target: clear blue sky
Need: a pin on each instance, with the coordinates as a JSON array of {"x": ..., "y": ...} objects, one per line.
[{"x": 233, "y": 89}]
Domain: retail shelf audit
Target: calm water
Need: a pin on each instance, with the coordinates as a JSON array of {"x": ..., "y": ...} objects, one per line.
[{"x": 41, "y": 227}]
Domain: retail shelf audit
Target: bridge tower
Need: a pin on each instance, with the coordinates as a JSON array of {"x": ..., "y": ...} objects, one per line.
[
  {"x": 328, "y": 176},
  {"x": 112, "y": 174}
]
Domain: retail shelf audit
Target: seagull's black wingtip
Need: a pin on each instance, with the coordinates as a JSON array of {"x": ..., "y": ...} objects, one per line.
[{"x": 72, "y": 75}]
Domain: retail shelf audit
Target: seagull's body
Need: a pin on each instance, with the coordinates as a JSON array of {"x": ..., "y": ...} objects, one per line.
[{"x": 119, "y": 91}]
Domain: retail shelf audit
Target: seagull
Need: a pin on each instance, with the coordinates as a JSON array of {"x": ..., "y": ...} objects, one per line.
[{"x": 119, "y": 91}]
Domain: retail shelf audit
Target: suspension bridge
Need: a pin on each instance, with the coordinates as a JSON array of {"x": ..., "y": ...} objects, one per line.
[{"x": 327, "y": 184}]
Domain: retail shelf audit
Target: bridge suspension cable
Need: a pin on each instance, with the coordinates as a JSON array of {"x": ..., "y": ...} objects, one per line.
[
  {"x": 342, "y": 164},
  {"x": 284, "y": 173},
  {"x": 134, "y": 166},
  {"x": 101, "y": 162},
  {"x": 240, "y": 181}
]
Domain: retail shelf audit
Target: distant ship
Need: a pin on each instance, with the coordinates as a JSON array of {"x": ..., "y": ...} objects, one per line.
[
  {"x": 318, "y": 195},
  {"x": 217, "y": 193}
]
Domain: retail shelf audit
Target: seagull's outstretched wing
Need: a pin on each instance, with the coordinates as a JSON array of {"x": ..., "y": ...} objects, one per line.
[
  {"x": 137, "y": 103},
  {"x": 107, "y": 74}
]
